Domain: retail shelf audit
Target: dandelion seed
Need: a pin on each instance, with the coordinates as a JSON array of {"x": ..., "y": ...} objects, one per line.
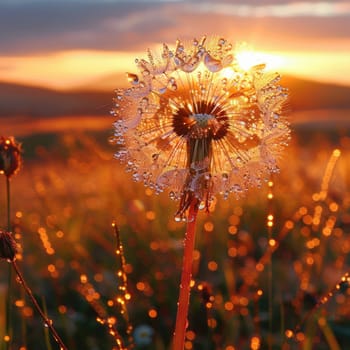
[
  {"x": 196, "y": 124},
  {"x": 10, "y": 156}
]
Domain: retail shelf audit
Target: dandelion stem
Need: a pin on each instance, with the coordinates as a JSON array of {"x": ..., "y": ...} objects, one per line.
[
  {"x": 47, "y": 322},
  {"x": 185, "y": 286},
  {"x": 271, "y": 245},
  {"x": 270, "y": 302}
]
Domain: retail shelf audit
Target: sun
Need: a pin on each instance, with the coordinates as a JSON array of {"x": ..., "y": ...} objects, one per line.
[{"x": 248, "y": 58}]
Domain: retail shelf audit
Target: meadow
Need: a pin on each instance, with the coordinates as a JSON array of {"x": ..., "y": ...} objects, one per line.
[{"x": 70, "y": 191}]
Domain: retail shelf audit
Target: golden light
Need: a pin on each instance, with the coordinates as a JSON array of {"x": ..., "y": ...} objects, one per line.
[
  {"x": 7, "y": 338},
  {"x": 289, "y": 333},
  {"x": 248, "y": 58},
  {"x": 228, "y": 306},
  {"x": 75, "y": 68},
  {"x": 152, "y": 313},
  {"x": 272, "y": 242},
  {"x": 62, "y": 309},
  {"x": 66, "y": 69},
  {"x": 19, "y": 303}
]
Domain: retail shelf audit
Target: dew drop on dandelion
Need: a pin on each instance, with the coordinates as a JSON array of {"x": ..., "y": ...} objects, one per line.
[{"x": 200, "y": 110}]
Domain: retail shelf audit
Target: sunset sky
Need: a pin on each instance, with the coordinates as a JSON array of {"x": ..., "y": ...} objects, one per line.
[{"x": 70, "y": 43}]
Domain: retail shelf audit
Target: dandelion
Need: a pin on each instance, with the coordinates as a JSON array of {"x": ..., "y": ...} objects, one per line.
[
  {"x": 10, "y": 156},
  {"x": 8, "y": 251},
  {"x": 10, "y": 161},
  {"x": 8, "y": 246},
  {"x": 195, "y": 123}
]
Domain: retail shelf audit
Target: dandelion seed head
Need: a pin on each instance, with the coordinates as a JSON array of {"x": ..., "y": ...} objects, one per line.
[
  {"x": 195, "y": 123},
  {"x": 8, "y": 246},
  {"x": 10, "y": 156}
]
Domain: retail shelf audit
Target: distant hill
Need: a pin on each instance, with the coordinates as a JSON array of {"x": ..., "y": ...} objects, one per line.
[
  {"x": 304, "y": 94},
  {"x": 307, "y": 94},
  {"x": 31, "y": 101}
]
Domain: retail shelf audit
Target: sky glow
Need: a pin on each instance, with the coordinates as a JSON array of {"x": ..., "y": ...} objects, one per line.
[{"x": 73, "y": 43}]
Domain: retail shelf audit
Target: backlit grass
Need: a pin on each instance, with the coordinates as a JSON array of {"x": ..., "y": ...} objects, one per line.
[{"x": 69, "y": 192}]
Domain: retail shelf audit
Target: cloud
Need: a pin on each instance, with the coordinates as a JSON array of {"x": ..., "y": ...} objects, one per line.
[
  {"x": 284, "y": 10},
  {"x": 46, "y": 26}
]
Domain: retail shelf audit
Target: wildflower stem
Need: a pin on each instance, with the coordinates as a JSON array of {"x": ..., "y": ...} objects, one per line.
[
  {"x": 8, "y": 310},
  {"x": 185, "y": 286},
  {"x": 8, "y": 204},
  {"x": 8, "y": 329},
  {"x": 47, "y": 322}
]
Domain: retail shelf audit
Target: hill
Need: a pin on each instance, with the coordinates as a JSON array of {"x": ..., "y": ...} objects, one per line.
[
  {"x": 307, "y": 94},
  {"x": 36, "y": 102}
]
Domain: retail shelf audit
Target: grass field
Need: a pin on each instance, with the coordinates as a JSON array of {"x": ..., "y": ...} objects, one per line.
[{"x": 70, "y": 190}]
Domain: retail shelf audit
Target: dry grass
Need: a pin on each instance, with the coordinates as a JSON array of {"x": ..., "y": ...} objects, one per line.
[{"x": 68, "y": 194}]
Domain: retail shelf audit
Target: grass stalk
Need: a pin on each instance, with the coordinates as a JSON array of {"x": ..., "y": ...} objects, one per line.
[
  {"x": 46, "y": 330},
  {"x": 328, "y": 334},
  {"x": 186, "y": 275},
  {"x": 123, "y": 294},
  {"x": 47, "y": 322}
]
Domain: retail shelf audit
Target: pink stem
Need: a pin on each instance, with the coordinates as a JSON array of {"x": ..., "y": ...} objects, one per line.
[{"x": 185, "y": 286}]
